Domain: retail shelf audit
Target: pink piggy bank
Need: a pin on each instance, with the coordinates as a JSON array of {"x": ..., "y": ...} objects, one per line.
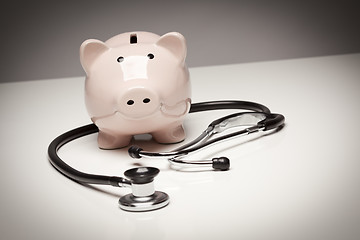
[{"x": 136, "y": 83}]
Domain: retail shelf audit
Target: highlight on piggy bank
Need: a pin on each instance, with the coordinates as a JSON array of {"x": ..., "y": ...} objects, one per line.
[{"x": 136, "y": 83}]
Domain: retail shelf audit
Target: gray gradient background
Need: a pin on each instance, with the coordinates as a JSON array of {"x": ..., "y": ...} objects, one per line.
[{"x": 40, "y": 39}]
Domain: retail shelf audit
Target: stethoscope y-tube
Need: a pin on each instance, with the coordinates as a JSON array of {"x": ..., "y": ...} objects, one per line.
[{"x": 143, "y": 196}]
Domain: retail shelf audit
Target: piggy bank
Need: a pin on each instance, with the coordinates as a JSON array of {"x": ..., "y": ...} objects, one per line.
[{"x": 136, "y": 83}]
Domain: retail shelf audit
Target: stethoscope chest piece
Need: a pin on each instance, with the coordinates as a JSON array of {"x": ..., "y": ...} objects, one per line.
[
  {"x": 155, "y": 201},
  {"x": 143, "y": 196}
]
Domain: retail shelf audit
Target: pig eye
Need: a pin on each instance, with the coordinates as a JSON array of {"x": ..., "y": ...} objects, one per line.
[
  {"x": 120, "y": 59},
  {"x": 150, "y": 56}
]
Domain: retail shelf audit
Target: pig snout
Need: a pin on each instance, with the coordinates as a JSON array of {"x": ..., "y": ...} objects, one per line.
[{"x": 138, "y": 103}]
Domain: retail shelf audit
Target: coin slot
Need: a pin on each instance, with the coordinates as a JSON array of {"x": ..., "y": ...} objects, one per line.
[{"x": 133, "y": 38}]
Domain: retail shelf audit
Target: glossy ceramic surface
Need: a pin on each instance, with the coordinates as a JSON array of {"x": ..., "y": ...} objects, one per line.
[{"x": 137, "y": 82}]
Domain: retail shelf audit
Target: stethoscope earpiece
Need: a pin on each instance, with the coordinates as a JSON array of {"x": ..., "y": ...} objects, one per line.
[
  {"x": 134, "y": 151},
  {"x": 221, "y": 163},
  {"x": 143, "y": 196}
]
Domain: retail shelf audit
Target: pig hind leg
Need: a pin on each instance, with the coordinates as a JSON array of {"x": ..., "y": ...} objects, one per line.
[
  {"x": 111, "y": 141},
  {"x": 170, "y": 134}
]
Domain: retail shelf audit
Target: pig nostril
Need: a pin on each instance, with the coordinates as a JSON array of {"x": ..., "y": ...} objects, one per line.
[
  {"x": 130, "y": 102},
  {"x": 146, "y": 100}
]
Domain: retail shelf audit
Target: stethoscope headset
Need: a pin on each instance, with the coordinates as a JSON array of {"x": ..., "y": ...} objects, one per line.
[{"x": 143, "y": 196}]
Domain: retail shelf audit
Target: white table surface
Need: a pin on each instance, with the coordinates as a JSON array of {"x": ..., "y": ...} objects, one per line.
[{"x": 300, "y": 183}]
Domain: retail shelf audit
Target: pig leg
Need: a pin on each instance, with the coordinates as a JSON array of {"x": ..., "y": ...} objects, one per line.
[
  {"x": 172, "y": 134},
  {"x": 111, "y": 141}
]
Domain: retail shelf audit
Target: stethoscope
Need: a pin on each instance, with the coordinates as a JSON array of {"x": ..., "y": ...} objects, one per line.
[{"x": 141, "y": 179}]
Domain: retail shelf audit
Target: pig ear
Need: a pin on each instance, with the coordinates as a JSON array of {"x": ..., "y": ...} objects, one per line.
[
  {"x": 175, "y": 43},
  {"x": 89, "y": 51}
]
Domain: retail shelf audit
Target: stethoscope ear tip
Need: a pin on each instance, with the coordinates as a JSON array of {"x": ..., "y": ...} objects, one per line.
[
  {"x": 134, "y": 151},
  {"x": 221, "y": 163}
]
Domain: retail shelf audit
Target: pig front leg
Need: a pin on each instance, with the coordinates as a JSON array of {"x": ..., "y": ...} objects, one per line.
[
  {"x": 173, "y": 134},
  {"x": 112, "y": 141}
]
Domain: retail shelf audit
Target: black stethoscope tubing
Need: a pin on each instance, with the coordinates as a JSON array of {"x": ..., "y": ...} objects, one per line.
[{"x": 270, "y": 122}]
